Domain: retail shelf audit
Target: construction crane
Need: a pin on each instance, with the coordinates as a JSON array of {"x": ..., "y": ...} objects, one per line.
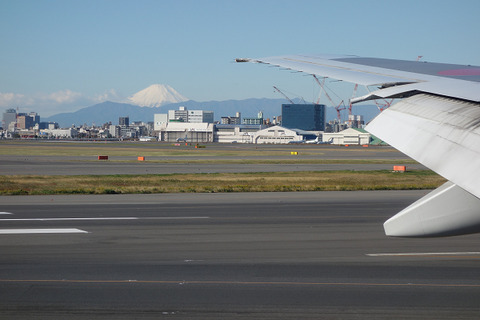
[
  {"x": 381, "y": 105},
  {"x": 283, "y": 94},
  {"x": 337, "y": 108},
  {"x": 350, "y": 102},
  {"x": 384, "y": 105}
]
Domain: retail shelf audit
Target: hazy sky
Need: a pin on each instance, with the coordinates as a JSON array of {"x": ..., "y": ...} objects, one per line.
[{"x": 62, "y": 55}]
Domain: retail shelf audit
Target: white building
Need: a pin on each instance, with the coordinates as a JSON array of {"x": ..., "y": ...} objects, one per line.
[
  {"x": 52, "y": 125},
  {"x": 199, "y": 116},
  {"x": 159, "y": 121},
  {"x": 232, "y": 120},
  {"x": 355, "y": 121},
  {"x": 281, "y": 135},
  {"x": 230, "y": 133},
  {"x": 114, "y": 131},
  {"x": 180, "y": 115},
  {"x": 191, "y": 116},
  {"x": 348, "y": 136},
  {"x": 188, "y": 132},
  {"x": 60, "y": 133}
]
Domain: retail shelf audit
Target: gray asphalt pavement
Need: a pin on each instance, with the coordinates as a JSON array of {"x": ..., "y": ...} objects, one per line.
[
  {"x": 317, "y": 255},
  {"x": 79, "y": 165},
  {"x": 27, "y": 167}
]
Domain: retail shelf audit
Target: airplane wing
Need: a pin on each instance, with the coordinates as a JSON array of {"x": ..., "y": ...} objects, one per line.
[{"x": 436, "y": 122}]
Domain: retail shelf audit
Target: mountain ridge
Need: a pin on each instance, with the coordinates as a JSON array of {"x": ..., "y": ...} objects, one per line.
[
  {"x": 156, "y": 95},
  {"x": 109, "y": 111}
]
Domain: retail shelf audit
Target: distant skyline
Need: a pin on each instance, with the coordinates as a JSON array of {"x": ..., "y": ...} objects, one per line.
[{"x": 60, "y": 56}]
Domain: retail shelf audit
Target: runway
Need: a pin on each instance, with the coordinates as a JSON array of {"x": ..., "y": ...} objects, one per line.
[
  {"x": 49, "y": 167},
  {"x": 339, "y": 158},
  {"x": 215, "y": 256}
]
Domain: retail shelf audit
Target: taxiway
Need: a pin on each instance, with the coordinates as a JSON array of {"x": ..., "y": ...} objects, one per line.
[{"x": 255, "y": 255}]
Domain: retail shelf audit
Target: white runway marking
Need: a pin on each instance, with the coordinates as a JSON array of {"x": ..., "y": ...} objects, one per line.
[
  {"x": 5, "y": 213},
  {"x": 70, "y": 219},
  {"x": 421, "y": 254},
  {"x": 105, "y": 218},
  {"x": 40, "y": 231},
  {"x": 174, "y": 218}
]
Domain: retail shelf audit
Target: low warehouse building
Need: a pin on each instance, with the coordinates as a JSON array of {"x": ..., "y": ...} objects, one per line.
[
  {"x": 348, "y": 136},
  {"x": 235, "y": 133},
  {"x": 188, "y": 132}
]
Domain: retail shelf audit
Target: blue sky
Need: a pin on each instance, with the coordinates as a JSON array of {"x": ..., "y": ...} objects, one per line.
[{"x": 59, "y": 56}]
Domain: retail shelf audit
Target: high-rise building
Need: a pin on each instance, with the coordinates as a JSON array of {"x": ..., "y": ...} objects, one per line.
[
  {"x": 310, "y": 117},
  {"x": 9, "y": 116},
  {"x": 22, "y": 121},
  {"x": 124, "y": 121},
  {"x": 27, "y": 121},
  {"x": 254, "y": 121},
  {"x": 200, "y": 116},
  {"x": 191, "y": 116},
  {"x": 35, "y": 118},
  {"x": 178, "y": 115},
  {"x": 232, "y": 120},
  {"x": 355, "y": 121}
]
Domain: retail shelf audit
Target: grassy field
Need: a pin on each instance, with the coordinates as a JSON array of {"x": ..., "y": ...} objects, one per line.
[{"x": 220, "y": 182}]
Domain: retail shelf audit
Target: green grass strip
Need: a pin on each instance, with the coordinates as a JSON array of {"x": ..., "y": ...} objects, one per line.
[{"x": 219, "y": 182}]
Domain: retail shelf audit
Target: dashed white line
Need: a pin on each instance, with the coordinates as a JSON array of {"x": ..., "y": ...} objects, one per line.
[
  {"x": 173, "y": 218},
  {"x": 40, "y": 231},
  {"x": 103, "y": 218},
  {"x": 421, "y": 254},
  {"x": 5, "y": 213},
  {"x": 70, "y": 219}
]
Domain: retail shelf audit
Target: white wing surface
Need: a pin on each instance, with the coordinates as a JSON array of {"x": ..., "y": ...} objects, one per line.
[{"x": 437, "y": 123}]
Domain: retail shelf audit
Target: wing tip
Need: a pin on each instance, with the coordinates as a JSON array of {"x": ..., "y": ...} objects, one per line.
[{"x": 240, "y": 60}]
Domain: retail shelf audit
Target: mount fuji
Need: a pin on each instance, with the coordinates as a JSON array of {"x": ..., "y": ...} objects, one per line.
[
  {"x": 155, "y": 96},
  {"x": 158, "y": 98}
]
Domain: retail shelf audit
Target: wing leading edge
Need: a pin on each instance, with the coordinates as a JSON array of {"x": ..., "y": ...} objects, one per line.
[{"x": 437, "y": 123}]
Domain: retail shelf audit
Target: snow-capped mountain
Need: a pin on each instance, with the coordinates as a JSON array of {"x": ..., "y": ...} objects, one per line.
[{"x": 156, "y": 95}]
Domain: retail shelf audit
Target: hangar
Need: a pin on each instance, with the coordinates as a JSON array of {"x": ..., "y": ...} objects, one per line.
[
  {"x": 185, "y": 131},
  {"x": 279, "y": 135},
  {"x": 353, "y": 136}
]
